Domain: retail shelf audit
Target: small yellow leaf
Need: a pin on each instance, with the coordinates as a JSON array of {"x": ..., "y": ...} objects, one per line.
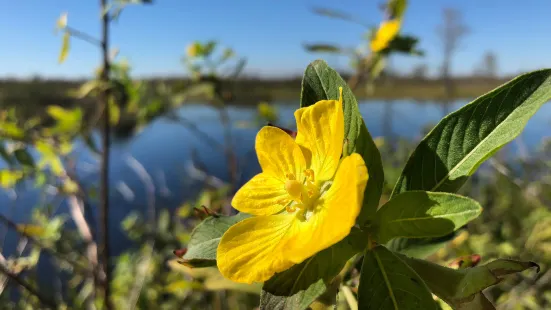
[
  {"x": 267, "y": 111},
  {"x": 31, "y": 230},
  {"x": 57, "y": 112},
  {"x": 86, "y": 88},
  {"x": 11, "y": 130},
  {"x": 65, "y": 147},
  {"x": 114, "y": 112},
  {"x": 183, "y": 211},
  {"x": 9, "y": 178},
  {"x": 194, "y": 49},
  {"x": 64, "y": 48},
  {"x": 70, "y": 186},
  {"x": 67, "y": 120},
  {"x": 182, "y": 286},
  {"x": 49, "y": 158},
  {"x": 62, "y": 21},
  {"x": 213, "y": 280}
]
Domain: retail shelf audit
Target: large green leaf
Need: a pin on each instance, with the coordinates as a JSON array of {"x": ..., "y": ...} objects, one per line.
[
  {"x": 320, "y": 82},
  {"x": 201, "y": 251},
  {"x": 455, "y": 148},
  {"x": 462, "y": 287},
  {"x": 386, "y": 282},
  {"x": 302, "y": 284},
  {"x": 419, "y": 247},
  {"x": 464, "y": 139},
  {"x": 420, "y": 214}
]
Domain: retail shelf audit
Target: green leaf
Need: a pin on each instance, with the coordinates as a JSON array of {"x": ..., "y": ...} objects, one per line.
[
  {"x": 9, "y": 178},
  {"x": 11, "y": 131},
  {"x": 419, "y": 214},
  {"x": 199, "y": 89},
  {"x": 201, "y": 251},
  {"x": 5, "y": 155},
  {"x": 320, "y": 82},
  {"x": 67, "y": 120},
  {"x": 387, "y": 282},
  {"x": 302, "y": 284},
  {"x": 24, "y": 158},
  {"x": 403, "y": 44},
  {"x": 419, "y": 248},
  {"x": 64, "y": 47},
  {"x": 332, "y": 13},
  {"x": 90, "y": 143},
  {"x": 397, "y": 8},
  {"x": 449, "y": 154},
  {"x": 85, "y": 89},
  {"x": 114, "y": 112},
  {"x": 462, "y": 286},
  {"x": 463, "y": 140},
  {"x": 212, "y": 279},
  {"x": 479, "y": 302},
  {"x": 324, "y": 48}
]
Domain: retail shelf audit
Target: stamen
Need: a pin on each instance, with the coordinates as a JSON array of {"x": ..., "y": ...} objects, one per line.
[
  {"x": 290, "y": 208},
  {"x": 294, "y": 188},
  {"x": 290, "y": 176},
  {"x": 309, "y": 175}
]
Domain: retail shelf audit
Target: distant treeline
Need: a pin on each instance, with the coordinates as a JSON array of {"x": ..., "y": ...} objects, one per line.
[{"x": 244, "y": 91}]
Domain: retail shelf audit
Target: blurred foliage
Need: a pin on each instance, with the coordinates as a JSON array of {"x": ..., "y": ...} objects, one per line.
[{"x": 369, "y": 59}]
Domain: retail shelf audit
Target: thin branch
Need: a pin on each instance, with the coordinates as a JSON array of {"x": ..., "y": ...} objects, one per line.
[
  {"x": 43, "y": 247},
  {"x": 46, "y": 301},
  {"x": 104, "y": 198},
  {"x": 76, "y": 210},
  {"x": 349, "y": 296}
]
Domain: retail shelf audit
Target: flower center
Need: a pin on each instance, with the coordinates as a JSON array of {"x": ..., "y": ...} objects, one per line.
[
  {"x": 294, "y": 188},
  {"x": 304, "y": 194}
]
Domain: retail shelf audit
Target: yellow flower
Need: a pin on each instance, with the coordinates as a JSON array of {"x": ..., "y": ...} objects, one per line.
[
  {"x": 194, "y": 49},
  {"x": 305, "y": 200},
  {"x": 385, "y": 34}
]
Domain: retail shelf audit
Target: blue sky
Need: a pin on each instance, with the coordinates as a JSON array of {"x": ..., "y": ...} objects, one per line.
[{"x": 269, "y": 33}]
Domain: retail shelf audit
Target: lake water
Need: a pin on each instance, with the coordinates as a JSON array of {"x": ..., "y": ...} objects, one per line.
[{"x": 165, "y": 149}]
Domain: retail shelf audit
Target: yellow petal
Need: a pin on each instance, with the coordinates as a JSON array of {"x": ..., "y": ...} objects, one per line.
[
  {"x": 262, "y": 195},
  {"x": 279, "y": 154},
  {"x": 321, "y": 130},
  {"x": 250, "y": 251},
  {"x": 336, "y": 213},
  {"x": 385, "y": 34}
]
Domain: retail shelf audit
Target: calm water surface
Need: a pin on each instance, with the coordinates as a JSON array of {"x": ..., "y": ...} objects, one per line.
[{"x": 165, "y": 149}]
